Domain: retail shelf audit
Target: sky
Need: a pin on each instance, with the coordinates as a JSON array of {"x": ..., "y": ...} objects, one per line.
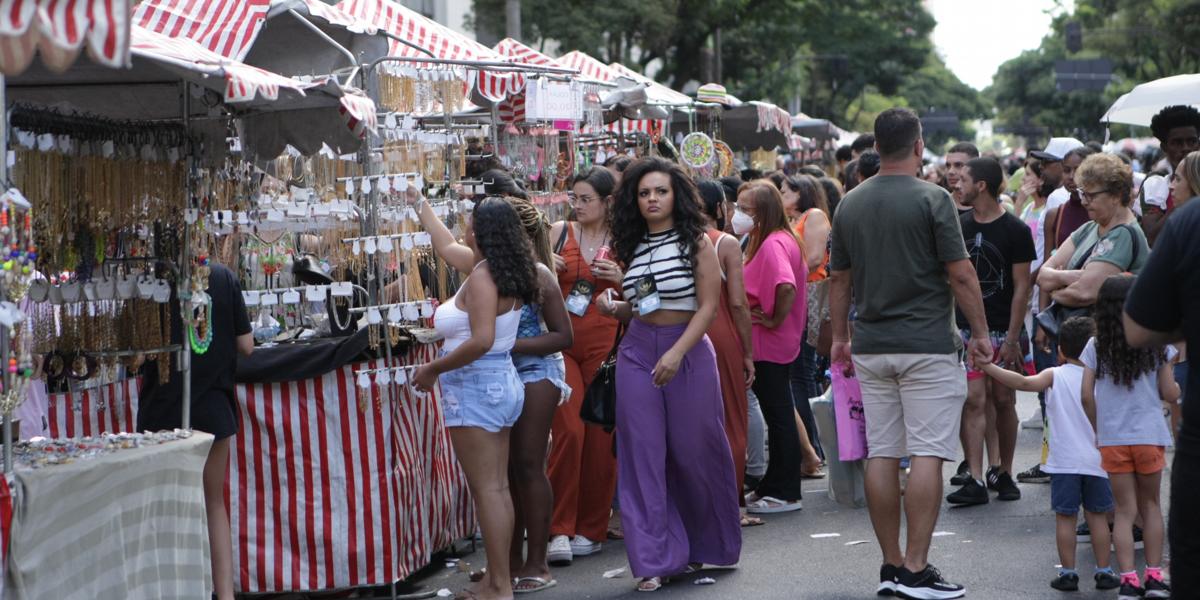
[{"x": 975, "y": 37}]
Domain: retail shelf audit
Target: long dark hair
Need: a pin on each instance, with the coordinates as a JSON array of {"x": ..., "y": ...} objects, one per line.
[
  {"x": 509, "y": 254},
  {"x": 812, "y": 194},
  {"x": 769, "y": 215},
  {"x": 712, "y": 194},
  {"x": 1115, "y": 358},
  {"x": 628, "y": 226}
]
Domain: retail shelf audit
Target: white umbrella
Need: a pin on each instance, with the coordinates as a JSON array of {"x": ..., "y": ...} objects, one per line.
[{"x": 1140, "y": 105}]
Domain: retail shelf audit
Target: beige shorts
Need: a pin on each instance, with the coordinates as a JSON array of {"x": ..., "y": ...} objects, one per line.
[{"x": 913, "y": 403}]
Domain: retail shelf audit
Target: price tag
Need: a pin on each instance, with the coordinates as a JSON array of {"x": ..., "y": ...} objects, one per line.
[
  {"x": 383, "y": 377},
  {"x": 370, "y": 247},
  {"x": 315, "y": 293},
  {"x": 400, "y": 184},
  {"x": 373, "y": 316},
  {"x": 243, "y": 218},
  {"x": 298, "y": 210},
  {"x": 406, "y": 242},
  {"x": 427, "y": 309},
  {"x": 364, "y": 380},
  {"x": 394, "y": 315},
  {"x": 268, "y": 299},
  {"x": 341, "y": 289},
  {"x": 349, "y": 187},
  {"x": 411, "y": 312},
  {"x": 321, "y": 210},
  {"x": 385, "y": 184},
  {"x": 291, "y": 297},
  {"x": 275, "y": 216},
  {"x": 366, "y": 185},
  {"x": 385, "y": 244}
]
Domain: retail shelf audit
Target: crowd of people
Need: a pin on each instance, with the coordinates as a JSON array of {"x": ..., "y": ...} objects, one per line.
[{"x": 723, "y": 303}]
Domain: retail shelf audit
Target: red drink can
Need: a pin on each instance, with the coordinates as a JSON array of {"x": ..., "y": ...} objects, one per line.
[{"x": 604, "y": 253}]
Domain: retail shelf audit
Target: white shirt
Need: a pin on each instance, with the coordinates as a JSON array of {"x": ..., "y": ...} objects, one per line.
[
  {"x": 1072, "y": 440},
  {"x": 1128, "y": 416},
  {"x": 1056, "y": 199}
]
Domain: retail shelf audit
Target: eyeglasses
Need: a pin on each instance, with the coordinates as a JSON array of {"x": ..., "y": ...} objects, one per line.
[
  {"x": 1087, "y": 196},
  {"x": 574, "y": 200}
]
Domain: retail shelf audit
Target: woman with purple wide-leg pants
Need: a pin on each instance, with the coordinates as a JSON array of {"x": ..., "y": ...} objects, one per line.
[{"x": 675, "y": 473}]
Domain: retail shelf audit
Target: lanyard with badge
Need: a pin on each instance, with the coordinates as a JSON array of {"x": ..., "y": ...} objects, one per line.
[
  {"x": 646, "y": 288},
  {"x": 582, "y": 292}
]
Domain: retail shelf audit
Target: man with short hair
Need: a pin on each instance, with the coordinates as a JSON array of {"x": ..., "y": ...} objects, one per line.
[
  {"x": 1001, "y": 248},
  {"x": 956, "y": 162},
  {"x": 1178, "y": 131},
  {"x": 898, "y": 245},
  {"x": 861, "y": 144}
]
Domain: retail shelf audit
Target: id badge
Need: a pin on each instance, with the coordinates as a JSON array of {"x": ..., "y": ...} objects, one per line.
[
  {"x": 580, "y": 297},
  {"x": 647, "y": 295}
]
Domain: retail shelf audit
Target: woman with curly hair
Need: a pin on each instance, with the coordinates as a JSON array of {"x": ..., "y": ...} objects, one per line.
[
  {"x": 1124, "y": 389},
  {"x": 669, "y": 409},
  {"x": 481, "y": 391}
]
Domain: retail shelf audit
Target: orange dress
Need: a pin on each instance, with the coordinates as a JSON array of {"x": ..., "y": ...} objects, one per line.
[
  {"x": 582, "y": 467},
  {"x": 728, "y": 345}
]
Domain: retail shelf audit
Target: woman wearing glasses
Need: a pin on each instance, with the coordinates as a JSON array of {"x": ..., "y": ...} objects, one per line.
[
  {"x": 1109, "y": 244},
  {"x": 582, "y": 469}
]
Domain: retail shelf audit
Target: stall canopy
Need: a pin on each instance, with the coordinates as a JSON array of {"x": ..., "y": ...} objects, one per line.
[
  {"x": 60, "y": 29},
  {"x": 444, "y": 43},
  {"x": 594, "y": 69},
  {"x": 1140, "y": 105},
  {"x": 656, "y": 92}
]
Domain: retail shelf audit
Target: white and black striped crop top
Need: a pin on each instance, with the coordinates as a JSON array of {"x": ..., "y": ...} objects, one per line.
[{"x": 661, "y": 256}]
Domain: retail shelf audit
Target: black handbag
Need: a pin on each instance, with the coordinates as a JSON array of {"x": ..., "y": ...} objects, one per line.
[
  {"x": 1056, "y": 314},
  {"x": 600, "y": 399}
]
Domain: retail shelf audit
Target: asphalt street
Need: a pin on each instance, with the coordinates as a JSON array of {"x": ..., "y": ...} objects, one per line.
[{"x": 828, "y": 552}]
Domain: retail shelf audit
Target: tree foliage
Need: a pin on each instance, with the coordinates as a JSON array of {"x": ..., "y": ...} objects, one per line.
[{"x": 828, "y": 53}]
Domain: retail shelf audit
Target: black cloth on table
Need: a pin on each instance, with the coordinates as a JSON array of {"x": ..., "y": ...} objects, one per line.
[{"x": 305, "y": 360}]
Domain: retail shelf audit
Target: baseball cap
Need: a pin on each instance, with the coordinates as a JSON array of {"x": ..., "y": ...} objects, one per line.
[{"x": 1057, "y": 149}]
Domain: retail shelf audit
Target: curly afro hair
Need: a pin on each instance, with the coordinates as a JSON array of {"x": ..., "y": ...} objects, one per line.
[
  {"x": 501, "y": 239},
  {"x": 1174, "y": 116},
  {"x": 628, "y": 225},
  {"x": 1115, "y": 358}
]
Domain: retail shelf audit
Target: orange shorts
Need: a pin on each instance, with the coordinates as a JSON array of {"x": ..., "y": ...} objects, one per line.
[{"x": 1141, "y": 459}]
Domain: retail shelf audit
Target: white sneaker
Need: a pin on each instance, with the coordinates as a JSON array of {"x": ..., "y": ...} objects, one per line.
[
  {"x": 581, "y": 546},
  {"x": 558, "y": 554}
]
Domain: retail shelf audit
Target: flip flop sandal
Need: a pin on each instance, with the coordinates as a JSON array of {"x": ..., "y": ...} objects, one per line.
[
  {"x": 768, "y": 505},
  {"x": 466, "y": 595},
  {"x": 818, "y": 474},
  {"x": 650, "y": 584},
  {"x": 615, "y": 534},
  {"x": 539, "y": 585},
  {"x": 477, "y": 576},
  {"x": 748, "y": 521}
]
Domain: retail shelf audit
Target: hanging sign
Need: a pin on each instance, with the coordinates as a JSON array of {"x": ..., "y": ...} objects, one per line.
[{"x": 553, "y": 101}]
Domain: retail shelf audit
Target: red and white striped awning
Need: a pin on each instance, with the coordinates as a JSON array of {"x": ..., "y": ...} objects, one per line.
[
  {"x": 655, "y": 91},
  {"x": 443, "y": 42},
  {"x": 226, "y": 27},
  {"x": 243, "y": 83},
  {"x": 60, "y": 28},
  {"x": 594, "y": 69}
]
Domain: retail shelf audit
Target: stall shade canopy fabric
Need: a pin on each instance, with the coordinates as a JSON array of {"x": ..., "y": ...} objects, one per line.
[
  {"x": 60, "y": 29},
  {"x": 656, "y": 92},
  {"x": 443, "y": 42},
  {"x": 594, "y": 69},
  {"x": 226, "y": 27},
  {"x": 1140, "y": 105}
]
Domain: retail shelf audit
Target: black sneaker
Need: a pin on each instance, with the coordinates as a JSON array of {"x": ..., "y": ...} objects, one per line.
[
  {"x": 1107, "y": 581},
  {"x": 926, "y": 585},
  {"x": 962, "y": 476},
  {"x": 1034, "y": 475},
  {"x": 1156, "y": 588},
  {"x": 1066, "y": 582},
  {"x": 992, "y": 478},
  {"x": 1007, "y": 488},
  {"x": 969, "y": 495},
  {"x": 887, "y": 580},
  {"x": 1130, "y": 592},
  {"x": 1083, "y": 533}
]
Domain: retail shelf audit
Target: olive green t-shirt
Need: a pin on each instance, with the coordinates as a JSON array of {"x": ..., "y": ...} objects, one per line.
[
  {"x": 894, "y": 234},
  {"x": 1124, "y": 247}
]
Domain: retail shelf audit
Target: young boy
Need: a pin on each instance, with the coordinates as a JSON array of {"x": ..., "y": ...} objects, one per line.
[{"x": 1074, "y": 462}]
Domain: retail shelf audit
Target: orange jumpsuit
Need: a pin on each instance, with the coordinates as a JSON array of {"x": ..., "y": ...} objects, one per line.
[
  {"x": 583, "y": 468},
  {"x": 728, "y": 345}
]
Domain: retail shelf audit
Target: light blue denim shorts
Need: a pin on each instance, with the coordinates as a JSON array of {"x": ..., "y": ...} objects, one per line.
[
  {"x": 533, "y": 369},
  {"x": 487, "y": 394}
]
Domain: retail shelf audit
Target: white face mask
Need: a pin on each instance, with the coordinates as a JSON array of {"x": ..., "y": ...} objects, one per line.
[{"x": 742, "y": 222}]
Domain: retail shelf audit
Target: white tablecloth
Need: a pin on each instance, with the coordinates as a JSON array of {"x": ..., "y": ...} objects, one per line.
[{"x": 130, "y": 524}]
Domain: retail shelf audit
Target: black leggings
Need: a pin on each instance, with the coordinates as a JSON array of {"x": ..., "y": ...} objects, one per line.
[{"x": 773, "y": 386}]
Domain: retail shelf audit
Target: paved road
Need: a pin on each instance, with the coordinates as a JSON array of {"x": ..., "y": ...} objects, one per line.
[{"x": 1001, "y": 550}]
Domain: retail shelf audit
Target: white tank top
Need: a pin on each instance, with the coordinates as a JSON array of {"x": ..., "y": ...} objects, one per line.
[{"x": 455, "y": 326}]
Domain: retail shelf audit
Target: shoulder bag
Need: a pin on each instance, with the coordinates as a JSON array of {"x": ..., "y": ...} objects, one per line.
[
  {"x": 600, "y": 399},
  {"x": 1053, "y": 317}
]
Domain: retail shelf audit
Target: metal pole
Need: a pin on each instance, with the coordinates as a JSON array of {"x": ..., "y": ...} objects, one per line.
[
  {"x": 9, "y": 379},
  {"x": 183, "y": 287}
]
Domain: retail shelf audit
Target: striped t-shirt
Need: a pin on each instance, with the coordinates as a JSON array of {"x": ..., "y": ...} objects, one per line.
[{"x": 661, "y": 256}]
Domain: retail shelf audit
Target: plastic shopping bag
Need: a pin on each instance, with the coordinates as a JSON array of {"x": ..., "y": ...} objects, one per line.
[
  {"x": 845, "y": 477},
  {"x": 848, "y": 411}
]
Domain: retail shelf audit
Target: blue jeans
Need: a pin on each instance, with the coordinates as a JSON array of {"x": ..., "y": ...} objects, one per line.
[
  {"x": 1068, "y": 491},
  {"x": 756, "y": 438},
  {"x": 806, "y": 384},
  {"x": 486, "y": 393}
]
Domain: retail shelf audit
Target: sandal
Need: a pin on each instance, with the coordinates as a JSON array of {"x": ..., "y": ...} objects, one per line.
[
  {"x": 650, "y": 584},
  {"x": 539, "y": 584},
  {"x": 615, "y": 534},
  {"x": 466, "y": 595},
  {"x": 477, "y": 576},
  {"x": 818, "y": 474},
  {"x": 768, "y": 505},
  {"x": 748, "y": 521}
]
